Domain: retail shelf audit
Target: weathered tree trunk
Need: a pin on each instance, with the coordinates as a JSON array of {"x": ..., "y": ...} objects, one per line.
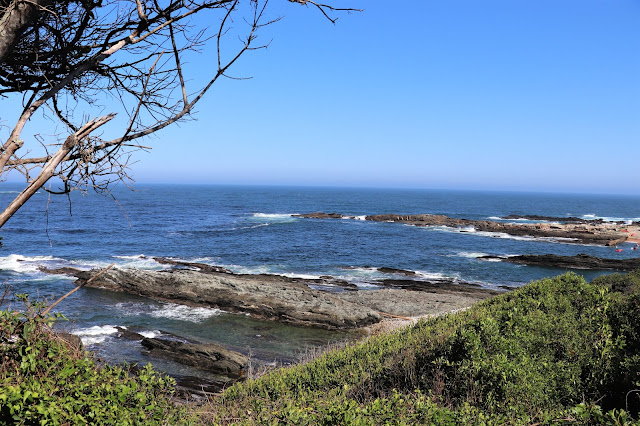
[{"x": 14, "y": 20}]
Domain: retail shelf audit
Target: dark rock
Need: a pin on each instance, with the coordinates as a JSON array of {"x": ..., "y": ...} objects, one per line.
[
  {"x": 60, "y": 271},
  {"x": 72, "y": 340},
  {"x": 192, "y": 388},
  {"x": 203, "y": 267},
  {"x": 432, "y": 286},
  {"x": 571, "y": 219},
  {"x": 396, "y": 271},
  {"x": 580, "y": 261},
  {"x": 319, "y": 215},
  {"x": 587, "y": 232},
  {"x": 506, "y": 287},
  {"x": 206, "y": 356},
  {"x": 273, "y": 297},
  {"x": 128, "y": 334}
]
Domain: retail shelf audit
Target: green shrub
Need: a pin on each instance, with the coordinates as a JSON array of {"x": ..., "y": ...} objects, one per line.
[
  {"x": 622, "y": 283},
  {"x": 555, "y": 351},
  {"x": 45, "y": 380}
]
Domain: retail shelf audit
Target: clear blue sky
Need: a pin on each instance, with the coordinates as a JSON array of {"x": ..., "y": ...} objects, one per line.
[{"x": 465, "y": 94}]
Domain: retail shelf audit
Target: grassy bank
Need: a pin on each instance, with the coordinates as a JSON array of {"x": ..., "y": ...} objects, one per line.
[{"x": 555, "y": 351}]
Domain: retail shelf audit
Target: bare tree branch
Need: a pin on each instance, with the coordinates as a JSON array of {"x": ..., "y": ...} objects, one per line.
[{"x": 75, "y": 59}]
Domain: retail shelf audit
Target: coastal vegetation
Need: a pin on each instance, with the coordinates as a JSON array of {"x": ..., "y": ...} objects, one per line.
[
  {"x": 559, "y": 350},
  {"x": 45, "y": 379},
  {"x": 556, "y": 350}
]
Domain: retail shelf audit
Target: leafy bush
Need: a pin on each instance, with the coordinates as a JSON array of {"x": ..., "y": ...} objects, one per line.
[
  {"x": 623, "y": 283},
  {"x": 557, "y": 350},
  {"x": 45, "y": 380}
]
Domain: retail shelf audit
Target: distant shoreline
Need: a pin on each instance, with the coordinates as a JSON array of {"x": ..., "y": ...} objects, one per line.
[{"x": 565, "y": 230}]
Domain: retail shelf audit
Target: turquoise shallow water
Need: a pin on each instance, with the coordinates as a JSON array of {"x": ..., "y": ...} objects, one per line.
[{"x": 251, "y": 230}]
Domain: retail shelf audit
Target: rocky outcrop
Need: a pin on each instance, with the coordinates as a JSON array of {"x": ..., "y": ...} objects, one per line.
[
  {"x": 320, "y": 215},
  {"x": 598, "y": 232},
  {"x": 570, "y": 219},
  {"x": 202, "y": 267},
  {"x": 386, "y": 270},
  {"x": 271, "y": 297},
  {"x": 580, "y": 261},
  {"x": 211, "y": 357},
  {"x": 430, "y": 301}
]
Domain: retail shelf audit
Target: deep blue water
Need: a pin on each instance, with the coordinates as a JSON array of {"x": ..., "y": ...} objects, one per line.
[{"x": 250, "y": 229}]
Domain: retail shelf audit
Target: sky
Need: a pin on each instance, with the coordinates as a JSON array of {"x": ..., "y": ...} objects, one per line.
[{"x": 522, "y": 95}]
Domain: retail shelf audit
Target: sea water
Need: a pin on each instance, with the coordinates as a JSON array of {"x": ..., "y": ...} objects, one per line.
[{"x": 253, "y": 230}]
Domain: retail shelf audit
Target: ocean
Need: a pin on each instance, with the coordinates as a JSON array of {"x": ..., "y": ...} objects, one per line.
[{"x": 252, "y": 230}]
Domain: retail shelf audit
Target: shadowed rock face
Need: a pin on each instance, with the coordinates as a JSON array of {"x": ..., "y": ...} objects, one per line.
[
  {"x": 206, "y": 356},
  {"x": 580, "y": 261},
  {"x": 583, "y": 232},
  {"x": 270, "y": 297}
]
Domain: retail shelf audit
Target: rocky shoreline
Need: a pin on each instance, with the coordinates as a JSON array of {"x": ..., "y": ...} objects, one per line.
[
  {"x": 568, "y": 230},
  {"x": 325, "y": 303}
]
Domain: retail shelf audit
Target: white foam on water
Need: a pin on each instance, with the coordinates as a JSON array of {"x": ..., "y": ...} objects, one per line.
[
  {"x": 359, "y": 274},
  {"x": 472, "y": 231},
  {"x": 26, "y": 264},
  {"x": 259, "y": 225},
  {"x": 301, "y": 276},
  {"x": 207, "y": 260},
  {"x": 506, "y": 236},
  {"x": 138, "y": 261},
  {"x": 366, "y": 269},
  {"x": 135, "y": 256},
  {"x": 347, "y": 217},
  {"x": 132, "y": 309},
  {"x": 96, "y": 334},
  {"x": 252, "y": 270},
  {"x": 150, "y": 334},
  {"x": 365, "y": 285},
  {"x": 268, "y": 270},
  {"x": 425, "y": 275},
  {"x": 167, "y": 310},
  {"x": 88, "y": 264},
  {"x": 626, "y": 220},
  {"x": 471, "y": 254},
  {"x": 365, "y": 276},
  {"x": 275, "y": 217},
  {"x": 184, "y": 313}
]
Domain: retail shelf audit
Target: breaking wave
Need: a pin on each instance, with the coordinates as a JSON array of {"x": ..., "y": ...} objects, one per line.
[{"x": 168, "y": 310}]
